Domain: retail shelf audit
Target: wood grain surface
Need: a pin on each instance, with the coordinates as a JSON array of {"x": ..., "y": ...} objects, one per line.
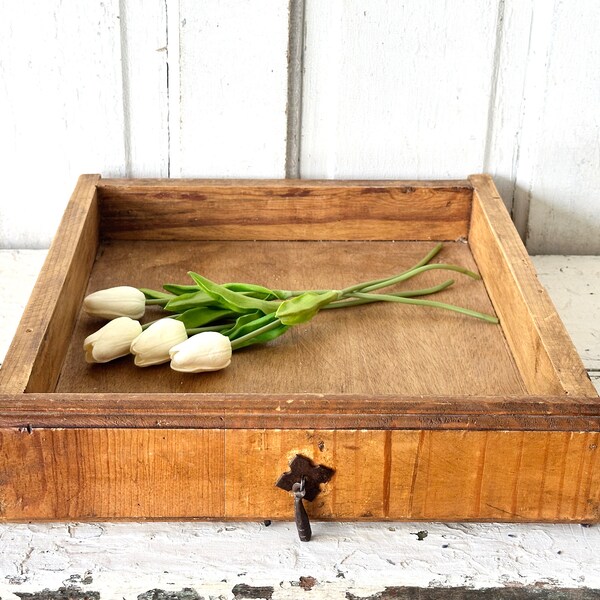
[
  {"x": 537, "y": 338},
  {"x": 36, "y": 354},
  {"x": 450, "y": 475},
  {"x": 370, "y": 350},
  {"x": 111, "y": 473},
  {"x": 424, "y": 414},
  {"x": 298, "y": 411},
  {"x": 283, "y": 210}
]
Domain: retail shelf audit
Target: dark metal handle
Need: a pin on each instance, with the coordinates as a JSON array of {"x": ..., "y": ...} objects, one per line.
[{"x": 301, "y": 518}]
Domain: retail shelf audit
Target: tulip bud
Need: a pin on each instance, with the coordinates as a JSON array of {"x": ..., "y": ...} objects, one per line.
[
  {"x": 206, "y": 351},
  {"x": 152, "y": 346},
  {"x": 121, "y": 301},
  {"x": 111, "y": 341}
]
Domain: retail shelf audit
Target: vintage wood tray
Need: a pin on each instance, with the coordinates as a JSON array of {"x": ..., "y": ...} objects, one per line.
[{"x": 423, "y": 413}]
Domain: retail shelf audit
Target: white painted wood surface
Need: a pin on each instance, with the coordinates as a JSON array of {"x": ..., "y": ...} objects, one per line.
[
  {"x": 396, "y": 90},
  {"x": 416, "y": 89},
  {"x": 61, "y": 109},
  {"x": 563, "y": 178},
  {"x": 146, "y": 99},
  {"x": 232, "y": 89},
  {"x": 573, "y": 283},
  {"x": 513, "y": 86},
  {"x": 124, "y": 560}
]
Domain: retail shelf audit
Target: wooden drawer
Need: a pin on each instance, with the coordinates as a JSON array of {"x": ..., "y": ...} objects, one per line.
[{"x": 422, "y": 414}]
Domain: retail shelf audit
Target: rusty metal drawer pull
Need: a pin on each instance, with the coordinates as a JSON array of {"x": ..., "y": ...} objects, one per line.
[
  {"x": 301, "y": 517},
  {"x": 304, "y": 480}
]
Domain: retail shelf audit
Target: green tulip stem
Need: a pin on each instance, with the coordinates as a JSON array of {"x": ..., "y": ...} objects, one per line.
[
  {"x": 359, "y": 286},
  {"x": 236, "y": 343},
  {"x": 383, "y": 282},
  {"x": 157, "y": 301},
  {"x": 459, "y": 309},
  {"x": 416, "y": 271},
  {"x": 405, "y": 294}
]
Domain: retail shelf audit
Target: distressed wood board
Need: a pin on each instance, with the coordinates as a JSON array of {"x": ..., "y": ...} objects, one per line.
[{"x": 422, "y": 428}]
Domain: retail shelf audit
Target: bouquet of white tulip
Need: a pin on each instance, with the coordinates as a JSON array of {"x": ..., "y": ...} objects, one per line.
[{"x": 207, "y": 321}]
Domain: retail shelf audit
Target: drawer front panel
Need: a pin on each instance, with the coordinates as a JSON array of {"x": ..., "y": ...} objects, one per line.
[{"x": 134, "y": 474}]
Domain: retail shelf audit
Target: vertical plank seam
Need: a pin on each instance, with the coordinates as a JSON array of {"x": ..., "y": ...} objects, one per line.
[
  {"x": 491, "y": 112},
  {"x": 517, "y": 152},
  {"x": 522, "y": 204},
  {"x": 125, "y": 83},
  {"x": 168, "y": 97},
  {"x": 173, "y": 70},
  {"x": 295, "y": 65}
]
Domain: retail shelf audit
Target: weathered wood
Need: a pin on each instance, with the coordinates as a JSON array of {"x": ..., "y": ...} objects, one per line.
[
  {"x": 450, "y": 475},
  {"x": 541, "y": 347},
  {"x": 35, "y": 357},
  {"x": 283, "y": 210},
  {"x": 424, "y": 414},
  {"x": 535, "y": 592},
  {"x": 295, "y": 411},
  {"x": 376, "y": 349},
  {"x": 573, "y": 283},
  {"x": 110, "y": 473}
]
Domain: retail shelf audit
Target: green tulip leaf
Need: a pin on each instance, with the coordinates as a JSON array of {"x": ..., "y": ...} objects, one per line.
[
  {"x": 178, "y": 290},
  {"x": 255, "y": 291},
  {"x": 246, "y": 325},
  {"x": 197, "y": 317},
  {"x": 232, "y": 300},
  {"x": 265, "y": 337},
  {"x": 241, "y": 323},
  {"x": 303, "y": 308},
  {"x": 190, "y": 300},
  {"x": 248, "y": 289}
]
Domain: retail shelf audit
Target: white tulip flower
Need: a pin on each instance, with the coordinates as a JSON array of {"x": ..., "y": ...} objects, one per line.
[
  {"x": 206, "y": 351},
  {"x": 121, "y": 301},
  {"x": 111, "y": 341},
  {"x": 152, "y": 346}
]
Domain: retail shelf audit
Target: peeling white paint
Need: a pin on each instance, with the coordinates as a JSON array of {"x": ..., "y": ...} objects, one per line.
[{"x": 127, "y": 559}]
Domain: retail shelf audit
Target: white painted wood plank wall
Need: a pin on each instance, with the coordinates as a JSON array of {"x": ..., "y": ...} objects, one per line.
[
  {"x": 415, "y": 89},
  {"x": 232, "y": 90},
  {"x": 396, "y": 90}
]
